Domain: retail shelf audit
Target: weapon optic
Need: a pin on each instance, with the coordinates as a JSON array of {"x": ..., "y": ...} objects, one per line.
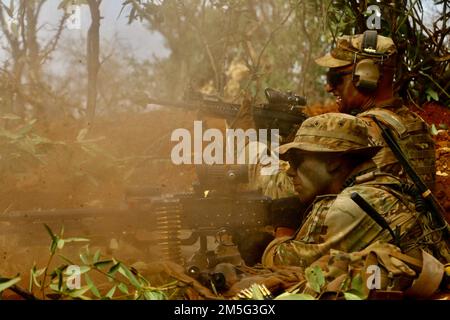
[{"x": 283, "y": 111}]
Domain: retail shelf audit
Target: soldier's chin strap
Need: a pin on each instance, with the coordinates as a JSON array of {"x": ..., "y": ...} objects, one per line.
[{"x": 352, "y": 179}]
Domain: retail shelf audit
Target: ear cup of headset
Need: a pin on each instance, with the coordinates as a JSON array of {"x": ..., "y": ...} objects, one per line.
[{"x": 366, "y": 75}]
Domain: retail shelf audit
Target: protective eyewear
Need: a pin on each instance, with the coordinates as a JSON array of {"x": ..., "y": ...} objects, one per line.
[
  {"x": 334, "y": 78},
  {"x": 295, "y": 159}
]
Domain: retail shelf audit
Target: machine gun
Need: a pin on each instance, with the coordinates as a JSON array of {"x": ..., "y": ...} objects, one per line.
[
  {"x": 217, "y": 208},
  {"x": 284, "y": 111}
]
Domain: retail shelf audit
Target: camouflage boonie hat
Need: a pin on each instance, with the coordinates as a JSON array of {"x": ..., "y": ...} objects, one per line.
[
  {"x": 347, "y": 46},
  {"x": 332, "y": 132}
]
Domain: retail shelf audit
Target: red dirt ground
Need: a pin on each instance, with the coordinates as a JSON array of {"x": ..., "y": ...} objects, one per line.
[
  {"x": 147, "y": 135},
  {"x": 433, "y": 113}
]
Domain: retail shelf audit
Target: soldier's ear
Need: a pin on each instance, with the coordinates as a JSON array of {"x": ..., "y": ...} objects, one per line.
[{"x": 334, "y": 163}]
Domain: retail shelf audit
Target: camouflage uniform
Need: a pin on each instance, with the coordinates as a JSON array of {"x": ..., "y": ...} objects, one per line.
[
  {"x": 272, "y": 182},
  {"x": 413, "y": 136},
  {"x": 411, "y": 132},
  {"x": 335, "y": 221}
]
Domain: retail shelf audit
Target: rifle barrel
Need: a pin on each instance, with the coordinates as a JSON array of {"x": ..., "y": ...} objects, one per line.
[{"x": 283, "y": 116}]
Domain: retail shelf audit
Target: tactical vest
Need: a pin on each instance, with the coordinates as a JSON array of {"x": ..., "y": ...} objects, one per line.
[{"x": 413, "y": 136}]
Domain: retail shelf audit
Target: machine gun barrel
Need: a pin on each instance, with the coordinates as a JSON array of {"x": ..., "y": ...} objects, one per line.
[{"x": 217, "y": 109}]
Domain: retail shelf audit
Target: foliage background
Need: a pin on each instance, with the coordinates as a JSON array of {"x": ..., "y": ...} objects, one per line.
[{"x": 52, "y": 154}]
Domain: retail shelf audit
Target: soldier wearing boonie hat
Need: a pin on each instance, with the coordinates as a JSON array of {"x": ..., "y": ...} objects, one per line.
[
  {"x": 350, "y": 48},
  {"x": 332, "y": 133},
  {"x": 360, "y": 76},
  {"x": 330, "y": 159}
]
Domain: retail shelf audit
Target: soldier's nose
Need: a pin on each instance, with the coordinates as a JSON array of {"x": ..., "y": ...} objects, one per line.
[
  {"x": 328, "y": 88},
  {"x": 291, "y": 172}
]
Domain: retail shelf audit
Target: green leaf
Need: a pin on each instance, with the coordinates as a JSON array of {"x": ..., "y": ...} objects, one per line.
[
  {"x": 36, "y": 274},
  {"x": 294, "y": 296},
  {"x": 32, "y": 278},
  {"x": 60, "y": 244},
  {"x": 114, "y": 269},
  {"x": 79, "y": 293},
  {"x": 84, "y": 269},
  {"x": 54, "y": 238},
  {"x": 127, "y": 274},
  {"x": 96, "y": 257},
  {"x": 54, "y": 245},
  {"x": 433, "y": 130},
  {"x": 68, "y": 240},
  {"x": 60, "y": 280},
  {"x": 58, "y": 271},
  {"x": 5, "y": 285},
  {"x": 357, "y": 284},
  {"x": 351, "y": 296},
  {"x": 111, "y": 292},
  {"x": 102, "y": 264},
  {"x": 123, "y": 288},
  {"x": 54, "y": 287},
  {"x": 50, "y": 232},
  {"x": 92, "y": 286},
  {"x": 315, "y": 278},
  {"x": 432, "y": 94},
  {"x": 84, "y": 258},
  {"x": 154, "y": 295}
]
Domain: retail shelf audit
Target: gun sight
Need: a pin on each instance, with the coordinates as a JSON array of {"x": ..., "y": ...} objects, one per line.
[{"x": 278, "y": 97}]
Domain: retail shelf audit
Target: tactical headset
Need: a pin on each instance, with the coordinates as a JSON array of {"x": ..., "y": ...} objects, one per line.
[{"x": 366, "y": 72}]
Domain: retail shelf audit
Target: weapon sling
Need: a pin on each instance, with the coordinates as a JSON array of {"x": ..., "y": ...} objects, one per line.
[{"x": 434, "y": 206}]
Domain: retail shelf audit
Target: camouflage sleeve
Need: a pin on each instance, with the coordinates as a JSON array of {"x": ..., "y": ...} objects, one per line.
[
  {"x": 276, "y": 185},
  {"x": 266, "y": 172},
  {"x": 336, "y": 223}
]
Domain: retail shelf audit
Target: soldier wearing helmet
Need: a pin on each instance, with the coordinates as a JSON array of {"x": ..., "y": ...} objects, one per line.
[
  {"x": 360, "y": 76},
  {"x": 331, "y": 159}
]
